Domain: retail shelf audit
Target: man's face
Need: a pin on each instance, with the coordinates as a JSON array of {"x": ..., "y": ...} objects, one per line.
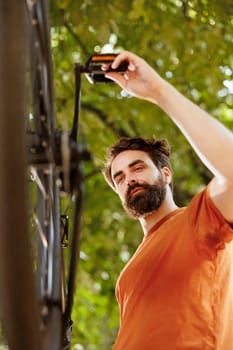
[{"x": 139, "y": 183}]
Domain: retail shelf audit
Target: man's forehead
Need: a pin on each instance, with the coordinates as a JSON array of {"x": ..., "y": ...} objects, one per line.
[{"x": 125, "y": 158}]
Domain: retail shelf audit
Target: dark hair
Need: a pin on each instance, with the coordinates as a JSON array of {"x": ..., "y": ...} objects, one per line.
[{"x": 158, "y": 151}]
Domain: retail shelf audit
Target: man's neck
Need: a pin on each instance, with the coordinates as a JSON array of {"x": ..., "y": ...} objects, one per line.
[{"x": 166, "y": 208}]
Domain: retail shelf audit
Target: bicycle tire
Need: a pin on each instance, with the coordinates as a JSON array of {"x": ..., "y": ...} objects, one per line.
[{"x": 17, "y": 288}]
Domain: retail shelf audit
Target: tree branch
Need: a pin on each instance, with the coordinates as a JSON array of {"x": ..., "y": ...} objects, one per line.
[
  {"x": 104, "y": 118},
  {"x": 185, "y": 7},
  {"x": 76, "y": 37}
]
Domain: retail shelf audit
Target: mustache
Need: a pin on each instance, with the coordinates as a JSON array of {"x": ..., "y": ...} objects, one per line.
[{"x": 133, "y": 186}]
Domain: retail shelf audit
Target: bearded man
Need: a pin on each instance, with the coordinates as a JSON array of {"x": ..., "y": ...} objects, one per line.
[{"x": 176, "y": 292}]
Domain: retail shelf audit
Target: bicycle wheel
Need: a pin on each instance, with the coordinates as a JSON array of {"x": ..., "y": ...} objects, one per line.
[
  {"x": 17, "y": 288},
  {"x": 30, "y": 320}
]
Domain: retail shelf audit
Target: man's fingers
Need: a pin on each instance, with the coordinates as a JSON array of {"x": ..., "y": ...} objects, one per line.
[
  {"x": 116, "y": 77},
  {"x": 123, "y": 56},
  {"x": 131, "y": 67}
]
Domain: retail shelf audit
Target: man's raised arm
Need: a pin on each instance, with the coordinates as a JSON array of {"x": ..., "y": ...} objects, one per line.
[{"x": 211, "y": 140}]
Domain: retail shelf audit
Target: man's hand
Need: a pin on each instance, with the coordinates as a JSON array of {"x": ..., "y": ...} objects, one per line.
[{"x": 140, "y": 79}]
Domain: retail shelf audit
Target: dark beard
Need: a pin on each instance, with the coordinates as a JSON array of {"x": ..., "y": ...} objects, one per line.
[{"x": 146, "y": 201}]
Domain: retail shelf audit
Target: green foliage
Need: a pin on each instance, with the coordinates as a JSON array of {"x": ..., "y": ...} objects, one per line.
[{"x": 187, "y": 42}]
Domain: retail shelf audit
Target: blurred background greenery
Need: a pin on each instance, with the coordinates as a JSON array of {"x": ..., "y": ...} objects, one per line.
[{"x": 190, "y": 44}]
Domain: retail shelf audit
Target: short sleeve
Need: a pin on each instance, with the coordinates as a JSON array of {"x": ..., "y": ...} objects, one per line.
[{"x": 210, "y": 229}]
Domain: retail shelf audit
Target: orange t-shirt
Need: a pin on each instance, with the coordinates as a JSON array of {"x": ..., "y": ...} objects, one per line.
[{"x": 176, "y": 293}]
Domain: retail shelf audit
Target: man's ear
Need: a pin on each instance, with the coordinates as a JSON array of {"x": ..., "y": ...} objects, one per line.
[{"x": 167, "y": 175}]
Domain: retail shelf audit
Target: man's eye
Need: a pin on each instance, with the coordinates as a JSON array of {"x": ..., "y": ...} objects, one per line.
[
  {"x": 138, "y": 168},
  {"x": 119, "y": 180}
]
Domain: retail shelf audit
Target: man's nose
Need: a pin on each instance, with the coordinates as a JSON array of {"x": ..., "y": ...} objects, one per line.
[{"x": 130, "y": 180}]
